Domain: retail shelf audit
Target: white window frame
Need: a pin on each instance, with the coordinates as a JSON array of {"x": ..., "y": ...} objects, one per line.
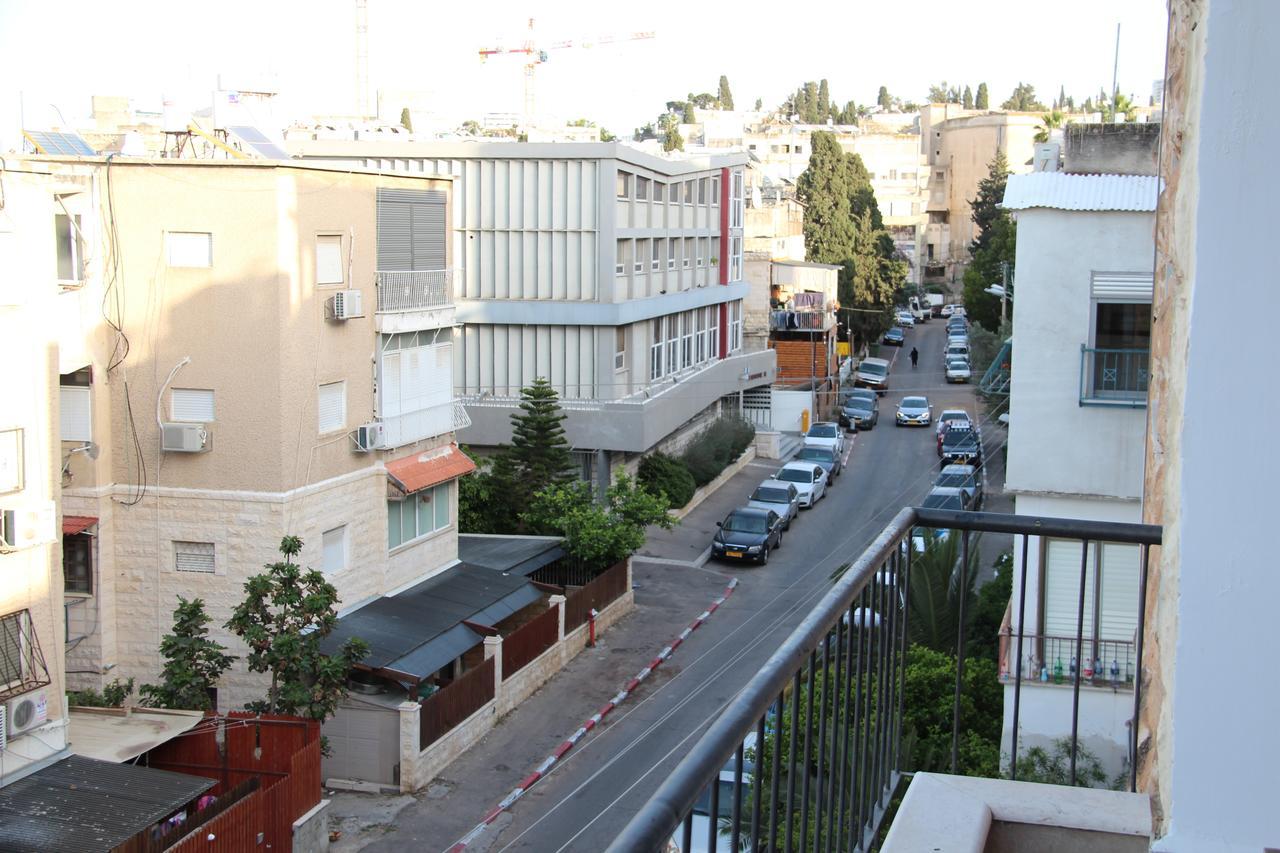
[
  {"x": 686, "y": 253},
  {"x": 715, "y": 191},
  {"x": 623, "y": 188},
  {"x": 656, "y": 254},
  {"x": 686, "y": 340},
  {"x": 672, "y": 251},
  {"x": 325, "y": 265},
  {"x": 620, "y": 262},
  {"x": 700, "y": 334},
  {"x": 642, "y": 188},
  {"x": 190, "y": 405},
  {"x": 673, "y": 343},
  {"x": 637, "y": 260},
  {"x": 75, "y": 412},
  {"x": 735, "y": 258},
  {"x": 195, "y": 555},
  {"x": 737, "y": 200},
  {"x": 341, "y": 548},
  {"x": 735, "y": 326},
  {"x": 438, "y": 492},
  {"x": 713, "y": 332},
  {"x": 659, "y": 191},
  {"x": 182, "y": 251},
  {"x": 75, "y": 238},
  {"x": 339, "y": 389},
  {"x": 689, "y": 195},
  {"x": 619, "y": 348}
]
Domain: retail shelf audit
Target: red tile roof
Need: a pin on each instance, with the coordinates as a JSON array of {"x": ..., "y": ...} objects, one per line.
[
  {"x": 73, "y": 524},
  {"x": 421, "y": 470}
]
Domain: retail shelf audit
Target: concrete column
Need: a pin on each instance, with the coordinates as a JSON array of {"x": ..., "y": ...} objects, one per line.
[
  {"x": 410, "y": 732},
  {"x": 558, "y": 601},
  {"x": 493, "y": 649}
]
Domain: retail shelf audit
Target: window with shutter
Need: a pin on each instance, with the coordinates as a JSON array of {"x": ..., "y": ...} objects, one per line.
[
  {"x": 1062, "y": 589},
  {"x": 334, "y": 555},
  {"x": 333, "y": 406},
  {"x": 75, "y": 416},
  {"x": 193, "y": 557},
  {"x": 329, "y": 259},
  {"x": 1118, "y": 613},
  {"x": 411, "y": 229},
  {"x": 192, "y": 404},
  {"x": 189, "y": 248}
]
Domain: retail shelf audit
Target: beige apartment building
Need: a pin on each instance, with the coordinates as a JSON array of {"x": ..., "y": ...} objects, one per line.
[{"x": 250, "y": 350}]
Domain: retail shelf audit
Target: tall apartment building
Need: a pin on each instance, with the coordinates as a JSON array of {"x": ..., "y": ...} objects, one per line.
[
  {"x": 616, "y": 275},
  {"x": 900, "y": 176},
  {"x": 252, "y": 349}
]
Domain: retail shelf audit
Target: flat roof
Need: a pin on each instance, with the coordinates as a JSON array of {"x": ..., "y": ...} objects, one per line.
[
  {"x": 114, "y": 734},
  {"x": 176, "y": 162},
  {"x": 810, "y": 264},
  {"x": 519, "y": 555},
  {"x": 82, "y": 805}
]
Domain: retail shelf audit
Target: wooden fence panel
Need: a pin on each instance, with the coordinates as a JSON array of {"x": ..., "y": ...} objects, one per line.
[
  {"x": 450, "y": 706},
  {"x": 599, "y": 593},
  {"x": 529, "y": 641}
]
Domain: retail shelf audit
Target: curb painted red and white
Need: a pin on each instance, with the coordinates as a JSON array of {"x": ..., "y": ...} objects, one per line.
[{"x": 594, "y": 720}]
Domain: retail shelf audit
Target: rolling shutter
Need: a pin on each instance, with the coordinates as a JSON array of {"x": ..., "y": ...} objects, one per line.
[
  {"x": 192, "y": 404},
  {"x": 1062, "y": 589},
  {"x": 332, "y": 406},
  {"x": 1122, "y": 286},
  {"x": 335, "y": 549},
  {"x": 329, "y": 259},
  {"x": 1118, "y": 617},
  {"x": 411, "y": 229},
  {"x": 193, "y": 557},
  {"x": 75, "y": 413}
]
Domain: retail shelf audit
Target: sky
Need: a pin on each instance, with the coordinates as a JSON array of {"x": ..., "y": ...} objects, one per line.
[{"x": 308, "y": 50}]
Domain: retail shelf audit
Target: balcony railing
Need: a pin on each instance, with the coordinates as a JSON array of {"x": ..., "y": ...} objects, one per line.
[
  {"x": 1054, "y": 660},
  {"x": 413, "y": 290},
  {"x": 836, "y": 689},
  {"x": 1114, "y": 377},
  {"x": 800, "y": 321}
]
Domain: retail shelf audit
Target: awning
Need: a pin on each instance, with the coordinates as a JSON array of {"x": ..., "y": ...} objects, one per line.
[
  {"x": 111, "y": 734},
  {"x": 81, "y": 804},
  {"x": 73, "y": 524},
  {"x": 415, "y": 633},
  {"x": 422, "y": 470},
  {"x": 519, "y": 555}
]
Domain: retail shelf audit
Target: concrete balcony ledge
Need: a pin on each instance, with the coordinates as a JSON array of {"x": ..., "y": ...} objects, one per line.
[{"x": 959, "y": 814}]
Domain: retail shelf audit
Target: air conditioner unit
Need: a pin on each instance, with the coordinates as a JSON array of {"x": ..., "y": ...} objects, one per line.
[
  {"x": 344, "y": 305},
  {"x": 368, "y": 437},
  {"x": 25, "y": 712},
  {"x": 185, "y": 438},
  {"x": 28, "y": 526}
]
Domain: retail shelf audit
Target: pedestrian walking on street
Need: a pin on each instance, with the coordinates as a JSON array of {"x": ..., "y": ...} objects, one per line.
[{"x": 915, "y": 356}]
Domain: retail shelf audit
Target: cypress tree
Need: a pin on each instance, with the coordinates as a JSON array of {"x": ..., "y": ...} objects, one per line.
[
  {"x": 967, "y": 101},
  {"x": 883, "y": 99},
  {"x": 824, "y": 189},
  {"x": 824, "y": 100},
  {"x": 985, "y": 206},
  {"x": 405, "y": 121},
  {"x": 982, "y": 101},
  {"x": 725, "y": 97}
]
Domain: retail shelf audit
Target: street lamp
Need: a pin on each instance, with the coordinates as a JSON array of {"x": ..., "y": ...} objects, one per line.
[{"x": 1002, "y": 290}]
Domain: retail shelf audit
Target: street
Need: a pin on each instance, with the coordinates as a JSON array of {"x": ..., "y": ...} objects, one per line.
[{"x": 598, "y": 786}]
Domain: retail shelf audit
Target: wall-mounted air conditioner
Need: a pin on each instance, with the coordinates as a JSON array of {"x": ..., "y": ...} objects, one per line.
[
  {"x": 344, "y": 305},
  {"x": 185, "y": 438},
  {"x": 28, "y": 526},
  {"x": 25, "y": 712},
  {"x": 368, "y": 437}
]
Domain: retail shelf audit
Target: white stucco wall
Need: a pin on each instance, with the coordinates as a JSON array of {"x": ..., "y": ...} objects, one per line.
[{"x": 1055, "y": 444}]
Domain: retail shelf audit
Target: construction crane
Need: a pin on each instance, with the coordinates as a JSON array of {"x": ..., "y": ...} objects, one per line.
[{"x": 535, "y": 54}]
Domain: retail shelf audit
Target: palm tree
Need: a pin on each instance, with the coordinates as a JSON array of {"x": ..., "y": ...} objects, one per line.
[
  {"x": 1120, "y": 105},
  {"x": 1048, "y": 122}
]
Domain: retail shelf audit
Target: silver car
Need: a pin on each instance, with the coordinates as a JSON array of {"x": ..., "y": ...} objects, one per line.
[
  {"x": 914, "y": 411},
  {"x": 958, "y": 370},
  {"x": 809, "y": 479},
  {"x": 782, "y": 498}
]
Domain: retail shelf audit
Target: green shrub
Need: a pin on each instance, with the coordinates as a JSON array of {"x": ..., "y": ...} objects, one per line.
[
  {"x": 661, "y": 474},
  {"x": 113, "y": 695},
  {"x": 717, "y": 446}
]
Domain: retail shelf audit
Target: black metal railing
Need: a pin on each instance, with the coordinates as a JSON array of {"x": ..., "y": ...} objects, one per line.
[
  {"x": 1114, "y": 376},
  {"x": 836, "y": 690}
]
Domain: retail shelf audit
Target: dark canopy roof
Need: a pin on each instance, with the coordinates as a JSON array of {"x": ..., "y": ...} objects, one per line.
[
  {"x": 82, "y": 804},
  {"x": 519, "y": 555}
]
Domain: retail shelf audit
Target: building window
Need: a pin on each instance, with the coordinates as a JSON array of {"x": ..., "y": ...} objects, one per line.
[
  {"x": 75, "y": 411},
  {"x": 623, "y": 252},
  {"x": 799, "y": 149},
  {"x": 70, "y": 244},
  {"x": 688, "y": 192},
  {"x": 189, "y": 248},
  {"x": 642, "y": 251},
  {"x": 735, "y": 326},
  {"x": 713, "y": 331},
  {"x": 751, "y": 147},
  {"x": 672, "y": 245},
  {"x": 673, "y": 343},
  {"x": 415, "y": 385},
  {"x": 332, "y": 407},
  {"x": 940, "y": 176},
  {"x": 77, "y": 564},
  {"x": 688, "y": 252},
  {"x": 22, "y": 666},
  {"x": 656, "y": 345},
  {"x": 737, "y": 201},
  {"x": 193, "y": 557},
  {"x": 686, "y": 339},
  {"x": 334, "y": 550},
  {"x": 624, "y": 185},
  {"x": 329, "y": 259},
  {"x": 194, "y": 405},
  {"x": 642, "y": 188},
  {"x": 418, "y": 515},
  {"x": 1110, "y": 600},
  {"x": 701, "y": 334},
  {"x": 619, "y": 347},
  {"x": 735, "y": 259},
  {"x": 659, "y": 191},
  {"x": 698, "y": 250},
  {"x": 703, "y": 184},
  {"x": 656, "y": 262},
  {"x": 715, "y": 192}
]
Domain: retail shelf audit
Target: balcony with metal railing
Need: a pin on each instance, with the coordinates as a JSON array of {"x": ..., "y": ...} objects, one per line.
[
  {"x": 1114, "y": 377},
  {"x": 411, "y": 300},
  {"x": 814, "y": 751}
]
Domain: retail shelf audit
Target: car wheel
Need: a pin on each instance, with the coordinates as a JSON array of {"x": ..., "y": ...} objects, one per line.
[
  {"x": 778, "y": 544},
  {"x": 787, "y": 525},
  {"x": 764, "y": 556}
]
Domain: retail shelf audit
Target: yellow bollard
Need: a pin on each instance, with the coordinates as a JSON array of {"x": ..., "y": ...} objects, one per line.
[{"x": 804, "y": 421}]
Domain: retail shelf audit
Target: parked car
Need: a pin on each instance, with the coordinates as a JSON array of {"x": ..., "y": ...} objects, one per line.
[
  {"x": 914, "y": 411},
  {"x": 861, "y": 412},
  {"x": 956, "y": 351},
  {"x": 947, "y": 311},
  {"x": 958, "y": 370},
  {"x": 964, "y": 477},
  {"x": 809, "y": 479},
  {"x": 873, "y": 373},
  {"x": 906, "y": 319},
  {"x": 824, "y": 456},
  {"x": 747, "y": 534},
  {"x": 948, "y": 497},
  {"x": 961, "y": 445},
  {"x": 893, "y": 337},
  {"x": 782, "y": 498},
  {"x": 957, "y": 336},
  {"x": 947, "y": 417},
  {"x": 957, "y": 323},
  {"x": 959, "y": 311},
  {"x": 825, "y": 434}
]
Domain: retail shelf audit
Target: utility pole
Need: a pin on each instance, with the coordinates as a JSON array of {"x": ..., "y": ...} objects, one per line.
[
  {"x": 1115, "y": 68},
  {"x": 1004, "y": 289}
]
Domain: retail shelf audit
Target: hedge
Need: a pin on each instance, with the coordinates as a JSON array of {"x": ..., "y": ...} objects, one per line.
[
  {"x": 662, "y": 474},
  {"x": 718, "y": 445}
]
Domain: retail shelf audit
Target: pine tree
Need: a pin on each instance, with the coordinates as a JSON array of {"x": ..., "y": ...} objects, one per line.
[
  {"x": 967, "y": 98},
  {"x": 824, "y": 100},
  {"x": 883, "y": 99},
  {"x": 538, "y": 446},
  {"x": 982, "y": 101},
  {"x": 405, "y": 120},
  {"x": 193, "y": 663},
  {"x": 725, "y": 97},
  {"x": 985, "y": 205}
]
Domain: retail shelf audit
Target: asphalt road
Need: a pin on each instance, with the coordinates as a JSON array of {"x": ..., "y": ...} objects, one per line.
[{"x": 589, "y": 797}]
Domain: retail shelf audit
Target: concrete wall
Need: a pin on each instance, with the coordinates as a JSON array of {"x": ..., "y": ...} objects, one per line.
[
  {"x": 788, "y": 409},
  {"x": 1044, "y": 716},
  {"x": 1111, "y": 149},
  {"x": 1056, "y": 445},
  {"x": 1213, "y": 593}
]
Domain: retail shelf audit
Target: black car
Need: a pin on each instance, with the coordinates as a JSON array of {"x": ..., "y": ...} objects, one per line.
[
  {"x": 961, "y": 445},
  {"x": 948, "y": 497},
  {"x": 747, "y": 534},
  {"x": 894, "y": 337}
]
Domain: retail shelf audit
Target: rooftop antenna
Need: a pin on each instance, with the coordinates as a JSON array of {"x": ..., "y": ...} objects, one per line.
[
  {"x": 1115, "y": 68},
  {"x": 362, "y": 58}
]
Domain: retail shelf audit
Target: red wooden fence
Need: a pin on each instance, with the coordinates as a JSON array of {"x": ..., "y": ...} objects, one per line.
[
  {"x": 531, "y": 639},
  {"x": 609, "y": 586},
  {"x": 448, "y": 707}
]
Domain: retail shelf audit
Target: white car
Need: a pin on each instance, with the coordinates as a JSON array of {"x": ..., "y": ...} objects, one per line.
[
  {"x": 958, "y": 370},
  {"x": 825, "y": 434},
  {"x": 906, "y": 319},
  {"x": 958, "y": 311},
  {"x": 809, "y": 479},
  {"x": 956, "y": 351},
  {"x": 948, "y": 310}
]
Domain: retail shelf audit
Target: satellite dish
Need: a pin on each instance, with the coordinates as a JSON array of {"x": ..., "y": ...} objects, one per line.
[{"x": 91, "y": 450}]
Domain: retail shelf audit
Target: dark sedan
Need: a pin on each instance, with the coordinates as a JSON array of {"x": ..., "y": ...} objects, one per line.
[
  {"x": 747, "y": 534},
  {"x": 860, "y": 413},
  {"x": 894, "y": 337},
  {"x": 825, "y": 457}
]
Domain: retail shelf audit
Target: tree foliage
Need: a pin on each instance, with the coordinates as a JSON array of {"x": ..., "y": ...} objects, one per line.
[
  {"x": 1050, "y": 121},
  {"x": 1023, "y": 99},
  {"x": 884, "y": 99},
  {"x": 966, "y": 100},
  {"x": 113, "y": 695},
  {"x": 193, "y": 662},
  {"x": 928, "y": 706},
  {"x": 982, "y": 100},
  {"x": 939, "y": 93},
  {"x": 406, "y": 121},
  {"x": 598, "y": 533},
  {"x": 1052, "y": 766},
  {"x": 985, "y": 206},
  {"x": 724, "y": 97},
  {"x": 994, "y": 244},
  {"x": 285, "y": 615},
  {"x": 669, "y": 128}
]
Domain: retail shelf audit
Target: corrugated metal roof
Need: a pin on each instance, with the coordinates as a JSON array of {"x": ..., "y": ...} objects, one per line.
[
  {"x": 1081, "y": 192},
  {"x": 80, "y": 804}
]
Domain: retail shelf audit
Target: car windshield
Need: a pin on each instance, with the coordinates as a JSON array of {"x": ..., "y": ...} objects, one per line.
[
  {"x": 817, "y": 454},
  {"x": 959, "y": 438},
  {"x": 873, "y": 369},
  {"x": 915, "y": 403},
  {"x": 859, "y": 406},
  {"x": 796, "y": 475},
  {"x": 943, "y": 502},
  {"x": 957, "y": 364},
  {"x": 737, "y": 523},
  {"x": 955, "y": 416},
  {"x": 775, "y": 495},
  {"x": 954, "y": 480},
  {"x": 823, "y": 431}
]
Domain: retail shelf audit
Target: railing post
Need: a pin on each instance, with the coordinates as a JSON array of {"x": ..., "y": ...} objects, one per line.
[
  {"x": 493, "y": 649},
  {"x": 410, "y": 743}
]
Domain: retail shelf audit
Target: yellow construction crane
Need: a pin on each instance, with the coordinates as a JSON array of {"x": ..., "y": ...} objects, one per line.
[{"x": 535, "y": 53}]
